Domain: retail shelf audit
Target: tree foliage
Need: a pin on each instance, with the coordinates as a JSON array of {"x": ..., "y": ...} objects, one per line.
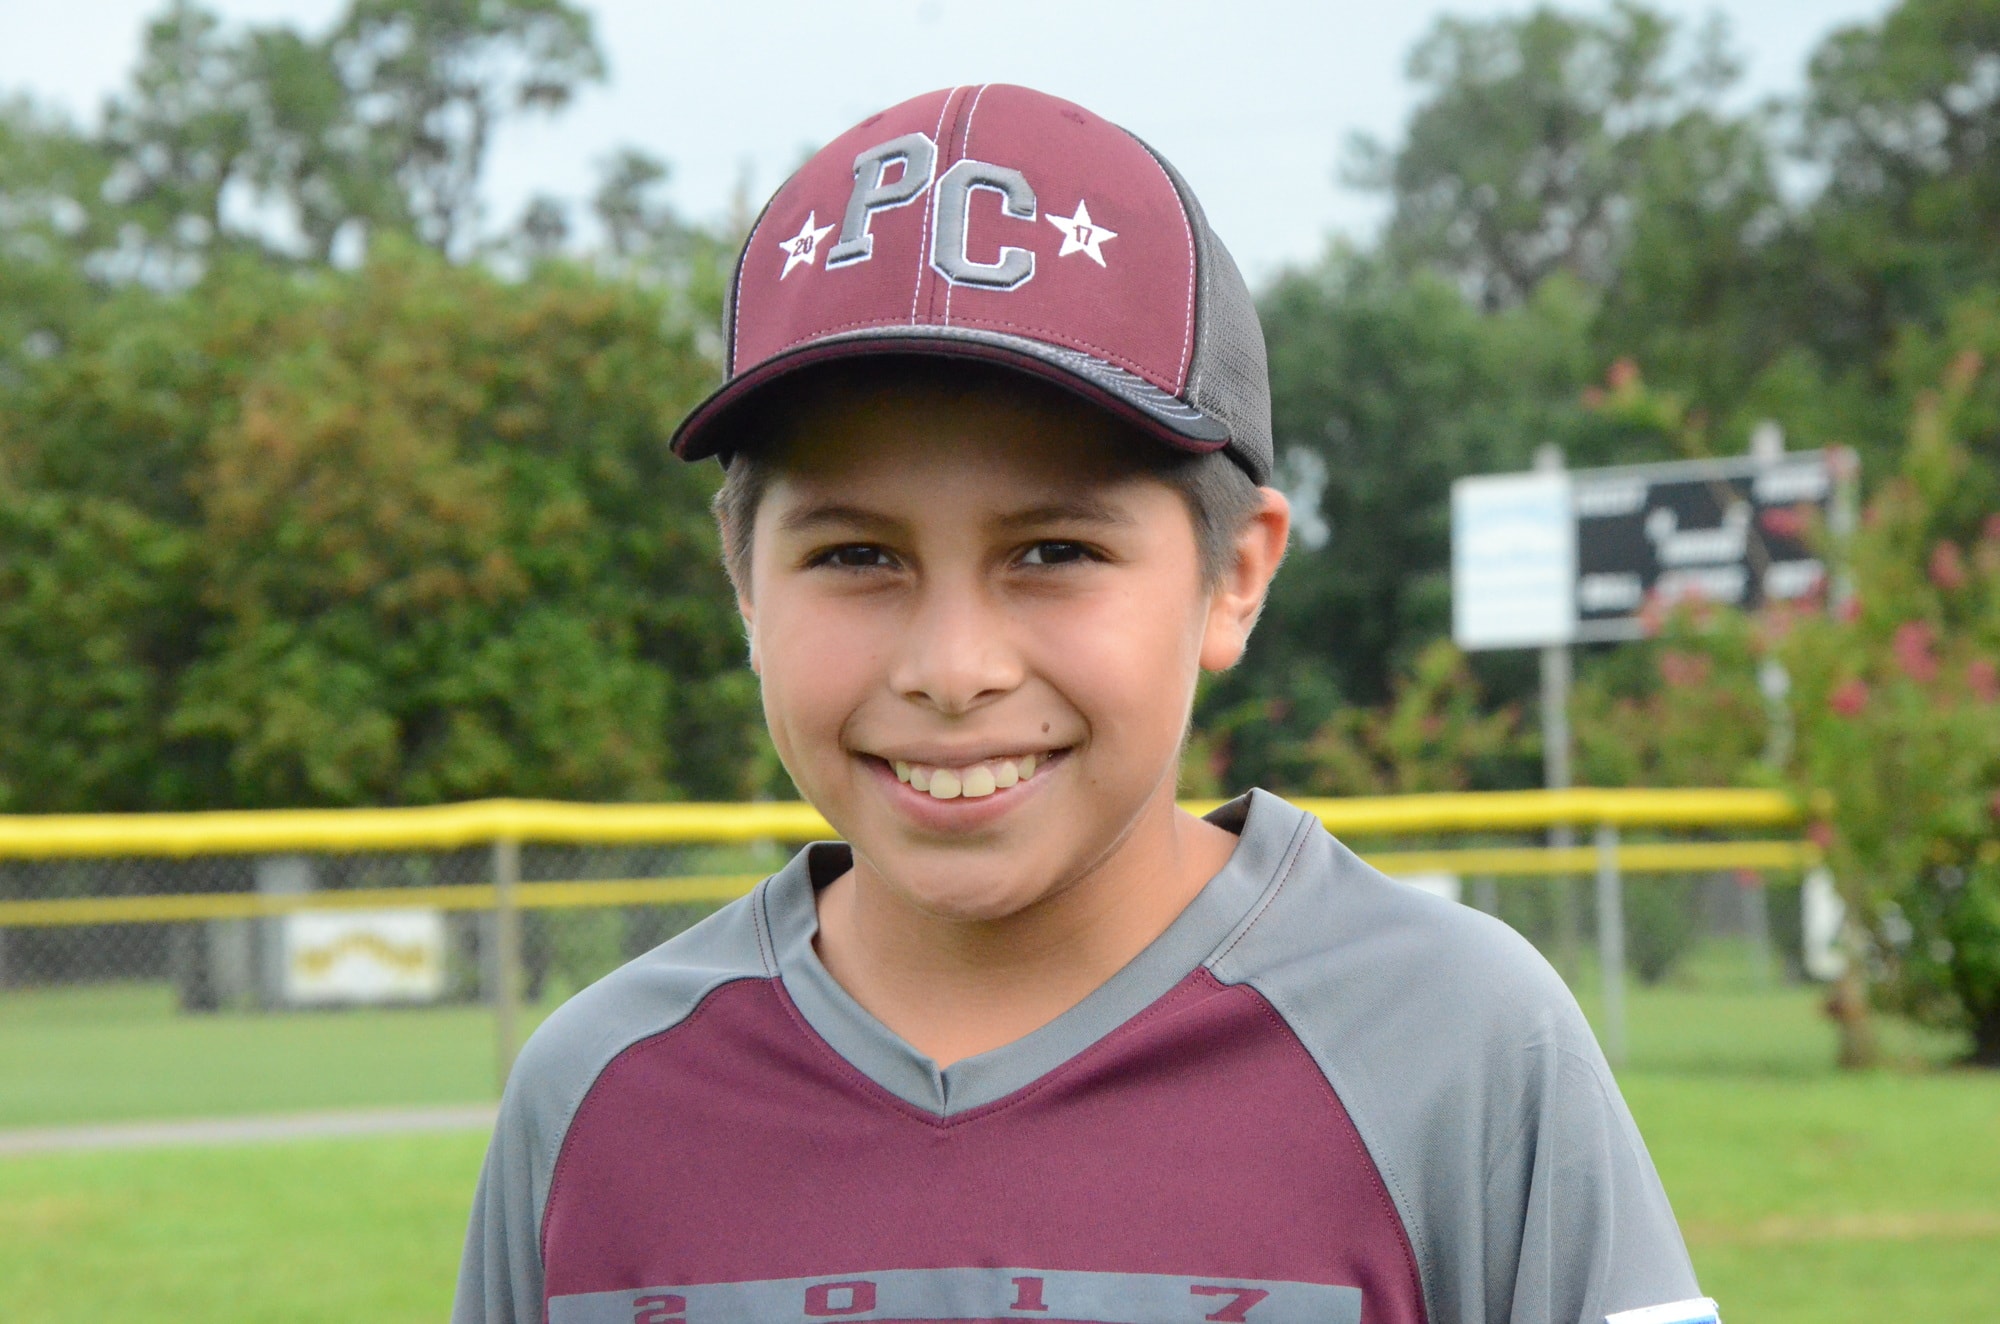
[
  {"x": 276, "y": 530},
  {"x": 1594, "y": 243},
  {"x": 400, "y": 535},
  {"x": 1534, "y": 140}
]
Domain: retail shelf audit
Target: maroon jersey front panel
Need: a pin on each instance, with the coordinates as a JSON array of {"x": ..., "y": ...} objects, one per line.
[{"x": 1197, "y": 1139}]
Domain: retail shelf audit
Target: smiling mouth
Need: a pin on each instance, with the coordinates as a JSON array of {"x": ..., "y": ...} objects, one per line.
[{"x": 973, "y": 781}]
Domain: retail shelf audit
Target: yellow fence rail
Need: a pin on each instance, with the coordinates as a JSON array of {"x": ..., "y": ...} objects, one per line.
[
  {"x": 1499, "y": 861},
  {"x": 449, "y": 827},
  {"x": 504, "y": 825}
]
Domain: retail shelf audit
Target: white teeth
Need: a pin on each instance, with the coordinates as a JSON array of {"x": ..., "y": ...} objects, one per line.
[{"x": 972, "y": 782}]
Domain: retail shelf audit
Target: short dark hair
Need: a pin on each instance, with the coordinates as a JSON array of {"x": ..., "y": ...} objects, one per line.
[{"x": 1220, "y": 496}]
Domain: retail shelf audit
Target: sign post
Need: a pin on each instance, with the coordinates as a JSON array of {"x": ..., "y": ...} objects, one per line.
[
  {"x": 1556, "y": 678},
  {"x": 1555, "y": 776}
]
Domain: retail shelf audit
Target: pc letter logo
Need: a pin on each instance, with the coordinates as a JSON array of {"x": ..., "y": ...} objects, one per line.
[
  {"x": 1699, "y": 1310},
  {"x": 981, "y": 209}
]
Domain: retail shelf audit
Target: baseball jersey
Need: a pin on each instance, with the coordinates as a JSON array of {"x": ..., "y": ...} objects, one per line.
[{"x": 1320, "y": 1097}]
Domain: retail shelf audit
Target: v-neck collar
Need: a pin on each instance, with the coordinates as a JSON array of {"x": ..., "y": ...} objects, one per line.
[{"x": 1268, "y": 833}]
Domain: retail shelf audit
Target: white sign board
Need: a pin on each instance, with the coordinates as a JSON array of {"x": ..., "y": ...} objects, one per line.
[
  {"x": 1513, "y": 561},
  {"x": 337, "y": 956}
]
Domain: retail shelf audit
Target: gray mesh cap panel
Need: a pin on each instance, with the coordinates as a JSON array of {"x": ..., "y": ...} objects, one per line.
[{"x": 1230, "y": 377}]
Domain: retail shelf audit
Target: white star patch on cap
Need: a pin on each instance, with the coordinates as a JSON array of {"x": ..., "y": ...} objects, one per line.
[
  {"x": 1081, "y": 234},
  {"x": 803, "y": 246}
]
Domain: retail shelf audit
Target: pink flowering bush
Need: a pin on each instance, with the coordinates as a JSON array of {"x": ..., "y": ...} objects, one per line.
[
  {"x": 1896, "y": 697},
  {"x": 1894, "y": 709}
]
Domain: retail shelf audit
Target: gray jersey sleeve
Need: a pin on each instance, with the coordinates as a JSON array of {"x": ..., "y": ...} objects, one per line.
[
  {"x": 500, "y": 1275},
  {"x": 1477, "y": 1087}
]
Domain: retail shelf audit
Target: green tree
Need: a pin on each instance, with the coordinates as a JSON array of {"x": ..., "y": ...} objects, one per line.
[
  {"x": 1386, "y": 385},
  {"x": 1533, "y": 140},
  {"x": 51, "y": 181},
  {"x": 433, "y": 80},
  {"x": 382, "y": 125},
  {"x": 1903, "y": 114},
  {"x": 399, "y": 535},
  {"x": 182, "y": 136}
]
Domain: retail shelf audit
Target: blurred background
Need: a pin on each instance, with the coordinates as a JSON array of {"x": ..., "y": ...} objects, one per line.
[{"x": 338, "y": 340}]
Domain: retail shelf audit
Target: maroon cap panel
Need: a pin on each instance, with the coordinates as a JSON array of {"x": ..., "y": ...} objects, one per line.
[{"x": 992, "y": 208}]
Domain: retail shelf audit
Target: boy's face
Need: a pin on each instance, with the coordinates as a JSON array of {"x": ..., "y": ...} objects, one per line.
[{"x": 981, "y": 595}]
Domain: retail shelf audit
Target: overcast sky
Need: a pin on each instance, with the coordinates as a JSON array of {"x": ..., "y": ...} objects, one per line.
[{"x": 1252, "y": 99}]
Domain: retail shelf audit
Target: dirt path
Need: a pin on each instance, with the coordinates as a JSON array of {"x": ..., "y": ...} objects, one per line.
[{"x": 247, "y": 1130}]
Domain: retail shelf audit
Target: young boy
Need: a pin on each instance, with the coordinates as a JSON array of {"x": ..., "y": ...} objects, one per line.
[{"x": 1031, "y": 1042}]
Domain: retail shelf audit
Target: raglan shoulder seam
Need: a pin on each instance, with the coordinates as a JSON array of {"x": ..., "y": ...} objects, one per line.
[
  {"x": 1412, "y": 1260},
  {"x": 1283, "y": 875},
  {"x": 1414, "y": 1232},
  {"x": 760, "y": 921},
  {"x": 700, "y": 1004},
  {"x": 557, "y": 1138}
]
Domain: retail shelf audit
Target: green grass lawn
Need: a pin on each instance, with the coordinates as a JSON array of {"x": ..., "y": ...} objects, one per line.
[
  {"x": 1808, "y": 1196},
  {"x": 117, "y": 1052},
  {"x": 311, "y": 1232}
]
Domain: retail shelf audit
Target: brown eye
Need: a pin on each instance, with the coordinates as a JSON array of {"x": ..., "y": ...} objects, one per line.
[
  {"x": 1055, "y": 553},
  {"x": 853, "y": 556}
]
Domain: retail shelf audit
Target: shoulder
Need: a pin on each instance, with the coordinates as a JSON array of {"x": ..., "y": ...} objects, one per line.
[
  {"x": 501, "y": 1273},
  {"x": 646, "y": 997},
  {"x": 1334, "y": 932},
  {"x": 1458, "y": 1053}
]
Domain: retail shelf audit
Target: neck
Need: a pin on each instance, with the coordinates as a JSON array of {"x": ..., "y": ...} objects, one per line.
[{"x": 953, "y": 988}]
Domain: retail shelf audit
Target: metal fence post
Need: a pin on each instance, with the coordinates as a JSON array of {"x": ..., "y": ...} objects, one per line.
[
  {"x": 1486, "y": 894},
  {"x": 1556, "y": 777},
  {"x": 1611, "y": 941},
  {"x": 506, "y": 954}
]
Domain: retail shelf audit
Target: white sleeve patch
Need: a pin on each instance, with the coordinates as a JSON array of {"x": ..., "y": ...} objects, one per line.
[{"x": 1698, "y": 1310}]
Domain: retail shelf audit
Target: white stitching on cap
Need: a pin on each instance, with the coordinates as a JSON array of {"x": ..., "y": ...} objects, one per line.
[
  {"x": 1194, "y": 268},
  {"x": 930, "y": 209},
  {"x": 736, "y": 304},
  {"x": 733, "y": 349},
  {"x": 964, "y": 150}
]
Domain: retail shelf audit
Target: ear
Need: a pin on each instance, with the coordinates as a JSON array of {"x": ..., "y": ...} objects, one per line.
[{"x": 1234, "y": 603}]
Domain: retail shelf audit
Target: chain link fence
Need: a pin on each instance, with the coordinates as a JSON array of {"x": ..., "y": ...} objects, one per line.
[
  {"x": 218, "y": 964},
  {"x": 334, "y": 908}
]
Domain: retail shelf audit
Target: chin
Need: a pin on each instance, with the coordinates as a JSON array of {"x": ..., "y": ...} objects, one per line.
[{"x": 972, "y": 901}]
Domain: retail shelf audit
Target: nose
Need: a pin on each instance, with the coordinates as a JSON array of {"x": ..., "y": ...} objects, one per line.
[{"x": 957, "y": 653}]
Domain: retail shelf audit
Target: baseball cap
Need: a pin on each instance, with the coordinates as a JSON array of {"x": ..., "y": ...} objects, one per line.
[{"x": 998, "y": 223}]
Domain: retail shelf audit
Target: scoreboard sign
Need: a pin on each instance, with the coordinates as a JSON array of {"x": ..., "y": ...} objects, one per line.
[
  {"x": 1733, "y": 532},
  {"x": 1599, "y": 546}
]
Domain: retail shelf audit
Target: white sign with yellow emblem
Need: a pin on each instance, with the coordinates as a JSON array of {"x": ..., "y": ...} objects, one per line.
[{"x": 364, "y": 956}]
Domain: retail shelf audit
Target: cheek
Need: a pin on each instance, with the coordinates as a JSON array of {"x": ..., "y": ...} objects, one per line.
[
  {"x": 817, "y": 666},
  {"x": 1128, "y": 661}
]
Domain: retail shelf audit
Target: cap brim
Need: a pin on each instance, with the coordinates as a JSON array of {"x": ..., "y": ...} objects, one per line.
[{"x": 706, "y": 431}]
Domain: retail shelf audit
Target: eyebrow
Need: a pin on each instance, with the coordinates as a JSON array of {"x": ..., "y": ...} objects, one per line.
[
  {"x": 1079, "y": 509},
  {"x": 832, "y": 512}
]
